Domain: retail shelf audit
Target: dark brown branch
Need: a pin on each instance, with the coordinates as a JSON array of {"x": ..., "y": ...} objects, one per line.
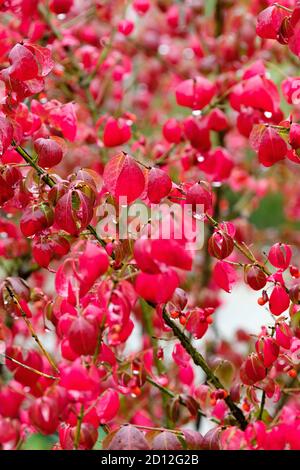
[{"x": 199, "y": 360}]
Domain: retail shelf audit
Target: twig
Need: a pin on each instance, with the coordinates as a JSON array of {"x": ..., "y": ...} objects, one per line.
[
  {"x": 282, "y": 7},
  {"x": 78, "y": 427},
  {"x": 38, "y": 372},
  {"x": 171, "y": 394},
  {"x": 31, "y": 329},
  {"x": 199, "y": 360},
  {"x": 262, "y": 405}
]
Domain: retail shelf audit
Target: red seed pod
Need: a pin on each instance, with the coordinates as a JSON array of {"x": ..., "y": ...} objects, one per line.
[
  {"x": 294, "y": 293},
  {"x": 179, "y": 298},
  {"x": 36, "y": 218},
  {"x": 199, "y": 194},
  {"x": 172, "y": 131},
  {"x": 83, "y": 336},
  {"x": 263, "y": 299},
  {"x": 279, "y": 300},
  {"x": 292, "y": 373},
  {"x": 43, "y": 414},
  {"x": 255, "y": 277},
  {"x": 280, "y": 255},
  {"x": 159, "y": 185},
  {"x": 294, "y": 271},
  {"x": 220, "y": 245},
  {"x": 252, "y": 370},
  {"x": 283, "y": 334},
  {"x": 49, "y": 152},
  {"x": 267, "y": 350}
]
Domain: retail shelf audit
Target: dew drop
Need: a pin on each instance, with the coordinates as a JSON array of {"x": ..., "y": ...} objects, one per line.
[
  {"x": 199, "y": 216},
  {"x": 163, "y": 49},
  {"x": 197, "y": 112},
  {"x": 188, "y": 53},
  {"x": 268, "y": 114}
]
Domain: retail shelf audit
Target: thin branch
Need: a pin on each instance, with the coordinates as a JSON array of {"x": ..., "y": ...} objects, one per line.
[
  {"x": 78, "y": 427},
  {"x": 38, "y": 372},
  {"x": 31, "y": 328},
  {"x": 170, "y": 394},
  {"x": 199, "y": 360},
  {"x": 262, "y": 405}
]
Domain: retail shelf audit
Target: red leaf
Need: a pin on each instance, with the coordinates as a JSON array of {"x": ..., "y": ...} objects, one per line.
[
  {"x": 166, "y": 441},
  {"x": 126, "y": 438},
  {"x": 23, "y": 63},
  {"x": 116, "y": 132},
  {"x": 224, "y": 275},
  {"x": 279, "y": 300},
  {"x": 272, "y": 148},
  {"x": 123, "y": 177},
  {"x": 108, "y": 406},
  {"x": 63, "y": 117},
  {"x": 92, "y": 263},
  {"x": 171, "y": 253},
  {"x": 6, "y": 134},
  {"x": 49, "y": 152},
  {"x": 197, "y": 323},
  {"x": 159, "y": 185},
  {"x": 269, "y": 22},
  {"x": 73, "y": 211},
  {"x": 157, "y": 288}
]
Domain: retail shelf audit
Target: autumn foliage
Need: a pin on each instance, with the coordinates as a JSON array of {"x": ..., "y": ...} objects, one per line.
[{"x": 110, "y": 342}]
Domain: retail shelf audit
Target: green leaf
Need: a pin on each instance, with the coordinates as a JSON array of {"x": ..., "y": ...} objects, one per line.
[
  {"x": 39, "y": 442},
  {"x": 269, "y": 213},
  {"x": 209, "y": 7},
  {"x": 101, "y": 436}
]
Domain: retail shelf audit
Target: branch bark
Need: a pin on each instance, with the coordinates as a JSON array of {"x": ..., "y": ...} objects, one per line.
[{"x": 199, "y": 360}]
